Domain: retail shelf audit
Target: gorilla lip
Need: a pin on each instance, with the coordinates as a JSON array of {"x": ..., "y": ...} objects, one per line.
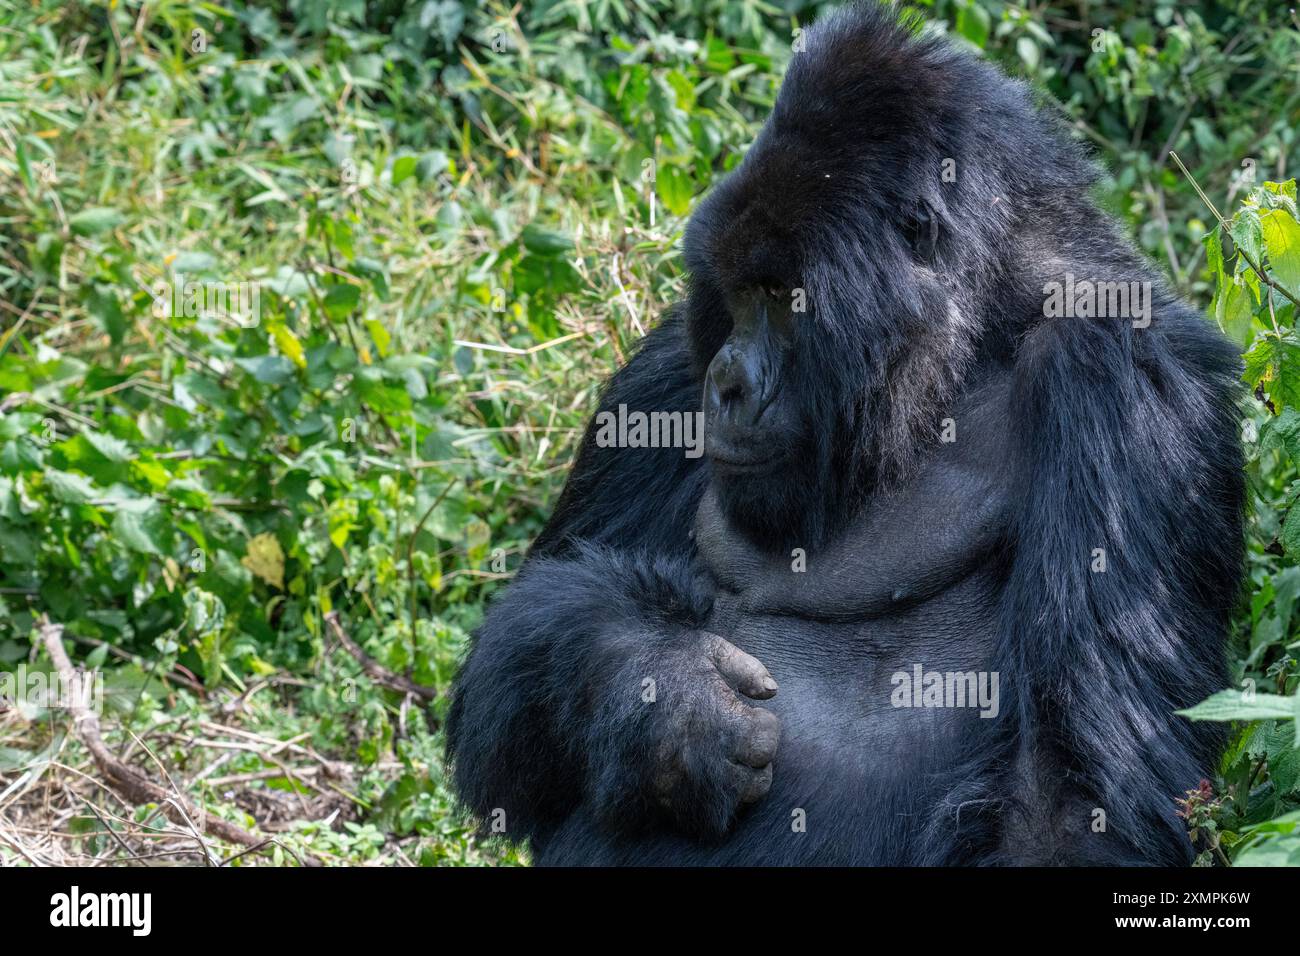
[{"x": 740, "y": 464}]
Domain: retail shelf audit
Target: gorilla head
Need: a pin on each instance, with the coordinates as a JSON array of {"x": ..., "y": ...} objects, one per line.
[{"x": 843, "y": 276}]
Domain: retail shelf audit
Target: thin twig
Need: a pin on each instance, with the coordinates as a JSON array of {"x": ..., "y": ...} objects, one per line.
[
  {"x": 1224, "y": 223},
  {"x": 376, "y": 671},
  {"x": 410, "y": 554}
]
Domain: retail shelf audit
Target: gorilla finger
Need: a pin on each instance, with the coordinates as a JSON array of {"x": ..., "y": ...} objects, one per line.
[
  {"x": 756, "y": 784},
  {"x": 758, "y": 739},
  {"x": 741, "y": 671}
]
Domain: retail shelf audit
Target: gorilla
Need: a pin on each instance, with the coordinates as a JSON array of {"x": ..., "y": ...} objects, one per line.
[{"x": 953, "y": 556}]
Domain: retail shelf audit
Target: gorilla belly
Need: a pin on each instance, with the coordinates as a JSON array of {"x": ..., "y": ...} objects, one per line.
[{"x": 871, "y": 769}]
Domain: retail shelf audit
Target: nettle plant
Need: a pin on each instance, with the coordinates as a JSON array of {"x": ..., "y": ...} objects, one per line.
[{"x": 1254, "y": 259}]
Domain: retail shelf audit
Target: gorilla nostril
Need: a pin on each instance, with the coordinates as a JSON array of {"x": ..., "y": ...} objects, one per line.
[
  {"x": 727, "y": 373},
  {"x": 733, "y": 390}
]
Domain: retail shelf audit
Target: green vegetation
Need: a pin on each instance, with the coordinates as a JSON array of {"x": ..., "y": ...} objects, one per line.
[{"x": 457, "y": 219}]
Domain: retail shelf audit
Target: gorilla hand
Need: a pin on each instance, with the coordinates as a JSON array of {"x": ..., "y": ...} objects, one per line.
[{"x": 713, "y": 749}]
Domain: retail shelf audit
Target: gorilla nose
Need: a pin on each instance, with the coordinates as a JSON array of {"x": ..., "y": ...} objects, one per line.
[
  {"x": 729, "y": 372},
  {"x": 732, "y": 386}
]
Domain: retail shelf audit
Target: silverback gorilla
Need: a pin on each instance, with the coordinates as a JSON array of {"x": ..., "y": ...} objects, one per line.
[{"x": 951, "y": 559}]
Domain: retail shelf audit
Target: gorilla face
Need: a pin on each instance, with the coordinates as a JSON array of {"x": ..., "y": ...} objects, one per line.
[
  {"x": 753, "y": 398},
  {"x": 844, "y": 274},
  {"x": 806, "y": 299},
  {"x": 751, "y": 425}
]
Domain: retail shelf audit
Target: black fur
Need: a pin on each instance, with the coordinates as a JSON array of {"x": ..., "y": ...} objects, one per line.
[{"x": 1073, "y": 434}]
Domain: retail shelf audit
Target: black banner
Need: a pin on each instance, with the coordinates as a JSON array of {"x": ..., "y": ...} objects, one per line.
[{"x": 330, "y": 906}]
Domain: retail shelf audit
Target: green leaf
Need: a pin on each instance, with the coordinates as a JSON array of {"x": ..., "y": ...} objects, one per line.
[
  {"x": 268, "y": 369},
  {"x": 342, "y": 519},
  {"x": 190, "y": 493},
  {"x": 1234, "y": 311},
  {"x": 24, "y": 166},
  {"x": 1274, "y": 363},
  {"x": 95, "y": 220},
  {"x": 544, "y": 242},
  {"x": 416, "y": 387},
  {"x": 1029, "y": 52},
  {"x": 110, "y": 446},
  {"x": 1286, "y": 189},
  {"x": 1248, "y": 233},
  {"x": 674, "y": 187},
  {"x": 106, "y": 310},
  {"x": 288, "y": 344},
  {"x": 341, "y": 300},
  {"x": 718, "y": 57},
  {"x": 191, "y": 261},
  {"x": 205, "y": 613},
  {"x": 1282, "y": 239},
  {"x": 403, "y": 169},
  {"x": 448, "y": 16},
  {"x": 1279, "y": 843},
  {"x": 973, "y": 23},
  {"x": 18, "y": 547},
  {"x": 1237, "y": 705},
  {"x": 373, "y": 270},
  {"x": 1282, "y": 431},
  {"x": 433, "y": 163},
  {"x": 138, "y": 529},
  {"x": 478, "y": 539},
  {"x": 1214, "y": 252},
  {"x": 69, "y": 487},
  {"x": 1291, "y": 531}
]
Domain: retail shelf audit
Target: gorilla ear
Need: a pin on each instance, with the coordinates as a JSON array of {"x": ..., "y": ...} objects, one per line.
[{"x": 921, "y": 229}]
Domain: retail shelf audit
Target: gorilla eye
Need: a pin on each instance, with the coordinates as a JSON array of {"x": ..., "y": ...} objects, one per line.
[
  {"x": 921, "y": 230},
  {"x": 774, "y": 290}
]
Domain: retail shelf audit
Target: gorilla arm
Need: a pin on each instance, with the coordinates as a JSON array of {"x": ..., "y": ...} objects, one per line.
[
  {"x": 521, "y": 732},
  {"x": 1127, "y": 562},
  {"x": 590, "y": 672}
]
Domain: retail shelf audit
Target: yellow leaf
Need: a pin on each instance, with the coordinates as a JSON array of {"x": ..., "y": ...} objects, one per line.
[
  {"x": 265, "y": 559},
  {"x": 288, "y": 345},
  {"x": 379, "y": 335}
]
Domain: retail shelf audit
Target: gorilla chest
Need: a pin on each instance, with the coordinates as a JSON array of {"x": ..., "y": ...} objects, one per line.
[
  {"x": 884, "y": 719},
  {"x": 882, "y": 641},
  {"x": 867, "y": 691}
]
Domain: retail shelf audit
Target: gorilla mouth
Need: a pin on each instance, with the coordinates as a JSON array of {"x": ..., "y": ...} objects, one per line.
[{"x": 742, "y": 465}]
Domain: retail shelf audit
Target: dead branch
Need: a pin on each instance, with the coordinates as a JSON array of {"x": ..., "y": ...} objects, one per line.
[
  {"x": 375, "y": 670},
  {"x": 132, "y": 785}
]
